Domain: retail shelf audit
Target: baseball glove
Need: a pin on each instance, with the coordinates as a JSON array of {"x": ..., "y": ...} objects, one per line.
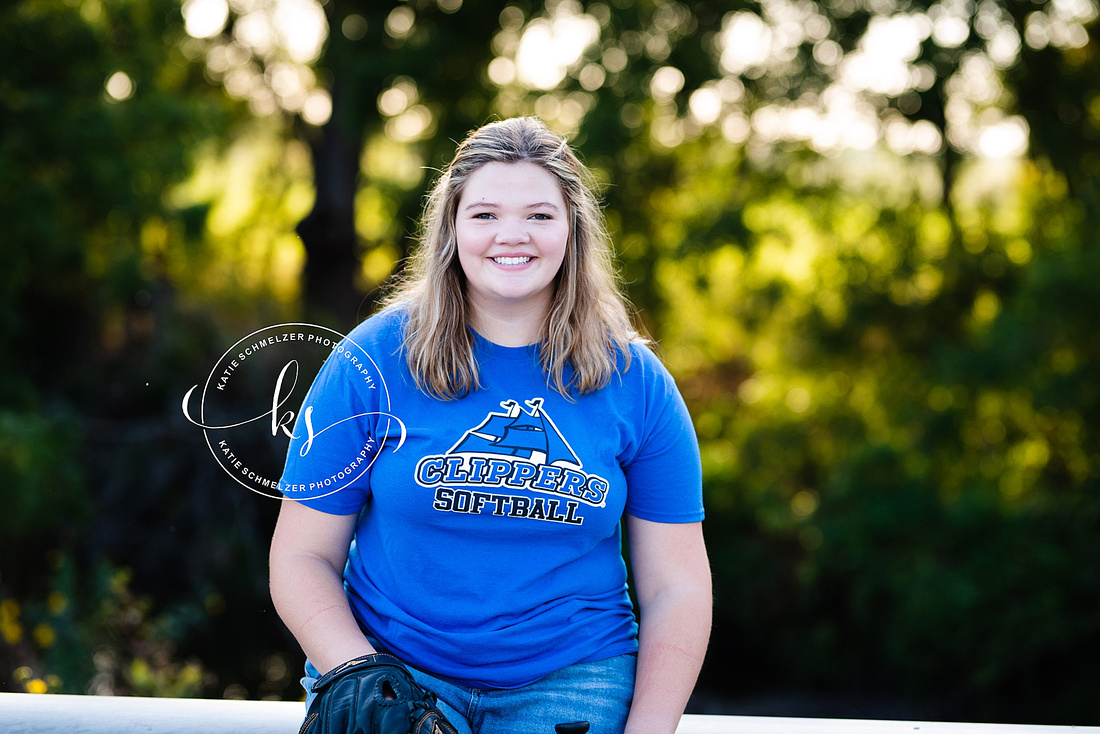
[{"x": 373, "y": 694}]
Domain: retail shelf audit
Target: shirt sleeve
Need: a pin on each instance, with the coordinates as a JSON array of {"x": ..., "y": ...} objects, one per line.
[
  {"x": 664, "y": 477},
  {"x": 330, "y": 454}
]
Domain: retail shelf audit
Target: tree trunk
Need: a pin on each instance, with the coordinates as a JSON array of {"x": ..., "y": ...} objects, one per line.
[{"x": 328, "y": 231}]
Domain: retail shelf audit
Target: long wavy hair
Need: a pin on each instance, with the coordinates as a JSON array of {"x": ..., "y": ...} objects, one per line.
[{"x": 587, "y": 326}]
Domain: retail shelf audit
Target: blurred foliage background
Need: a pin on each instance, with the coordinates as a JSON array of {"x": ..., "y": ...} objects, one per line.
[{"x": 863, "y": 233}]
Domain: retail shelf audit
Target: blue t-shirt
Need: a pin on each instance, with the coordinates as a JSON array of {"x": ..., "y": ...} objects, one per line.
[{"x": 488, "y": 546}]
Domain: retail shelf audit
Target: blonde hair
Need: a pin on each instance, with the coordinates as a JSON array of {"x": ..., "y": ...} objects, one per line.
[{"x": 587, "y": 325}]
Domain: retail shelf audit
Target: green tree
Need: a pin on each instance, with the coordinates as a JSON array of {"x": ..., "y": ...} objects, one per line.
[{"x": 101, "y": 114}]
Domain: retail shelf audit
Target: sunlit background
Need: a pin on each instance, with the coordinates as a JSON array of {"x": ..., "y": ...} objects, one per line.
[
  {"x": 266, "y": 59},
  {"x": 861, "y": 233}
]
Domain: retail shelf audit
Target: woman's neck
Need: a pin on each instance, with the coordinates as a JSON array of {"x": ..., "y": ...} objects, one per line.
[{"x": 512, "y": 328}]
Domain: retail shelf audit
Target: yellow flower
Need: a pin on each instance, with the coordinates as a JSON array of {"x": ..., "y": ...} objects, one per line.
[
  {"x": 57, "y": 603},
  {"x": 10, "y": 629},
  {"x": 45, "y": 635},
  {"x": 36, "y": 685}
]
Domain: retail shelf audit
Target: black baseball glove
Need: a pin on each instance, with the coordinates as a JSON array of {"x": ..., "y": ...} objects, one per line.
[{"x": 373, "y": 694}]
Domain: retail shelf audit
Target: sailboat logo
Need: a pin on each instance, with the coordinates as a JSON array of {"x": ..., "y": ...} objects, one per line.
[
  {"x": 517, "y": 448},
  {"x": 525, "y": 434}
]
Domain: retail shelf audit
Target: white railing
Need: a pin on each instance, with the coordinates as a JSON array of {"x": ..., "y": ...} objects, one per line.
[{"x": 24, "y": 713}]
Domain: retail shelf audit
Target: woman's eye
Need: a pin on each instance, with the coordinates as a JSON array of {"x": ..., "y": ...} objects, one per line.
[
  {"x": 483, "y": 215},
  {"x": 541, "y": 217}
]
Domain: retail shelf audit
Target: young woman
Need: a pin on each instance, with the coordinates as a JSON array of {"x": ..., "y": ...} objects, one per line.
[{"x": 500, "y": 428}]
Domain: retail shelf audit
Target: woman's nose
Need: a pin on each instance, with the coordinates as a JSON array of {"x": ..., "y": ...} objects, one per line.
[{"x": 513, "y": 232}]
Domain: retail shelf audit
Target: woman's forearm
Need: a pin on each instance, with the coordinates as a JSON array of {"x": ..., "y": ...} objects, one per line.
[
  {"x": 673, "y": 635},
  {"x": 309, "y": 596},
  {"x": 673, "y": 584},
  {"x": 308, "y": 553}
]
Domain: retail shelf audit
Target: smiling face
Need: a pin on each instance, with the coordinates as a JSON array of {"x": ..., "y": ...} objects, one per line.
[{"x": 512, "y": 226}]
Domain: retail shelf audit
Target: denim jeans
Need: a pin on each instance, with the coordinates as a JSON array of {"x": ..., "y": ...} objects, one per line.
[{"x": 598, "y": 692}]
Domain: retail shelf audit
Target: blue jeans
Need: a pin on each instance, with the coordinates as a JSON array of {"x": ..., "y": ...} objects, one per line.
[{"x": 598, "y": 692}]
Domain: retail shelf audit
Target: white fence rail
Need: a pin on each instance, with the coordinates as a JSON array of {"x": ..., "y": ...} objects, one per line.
[{"x": 24, "y": 713}]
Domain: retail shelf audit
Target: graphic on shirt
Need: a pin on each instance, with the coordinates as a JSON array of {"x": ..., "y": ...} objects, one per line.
[
  {"x": 518, "y": 433},
  {"x": 516, "y": 449}
]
